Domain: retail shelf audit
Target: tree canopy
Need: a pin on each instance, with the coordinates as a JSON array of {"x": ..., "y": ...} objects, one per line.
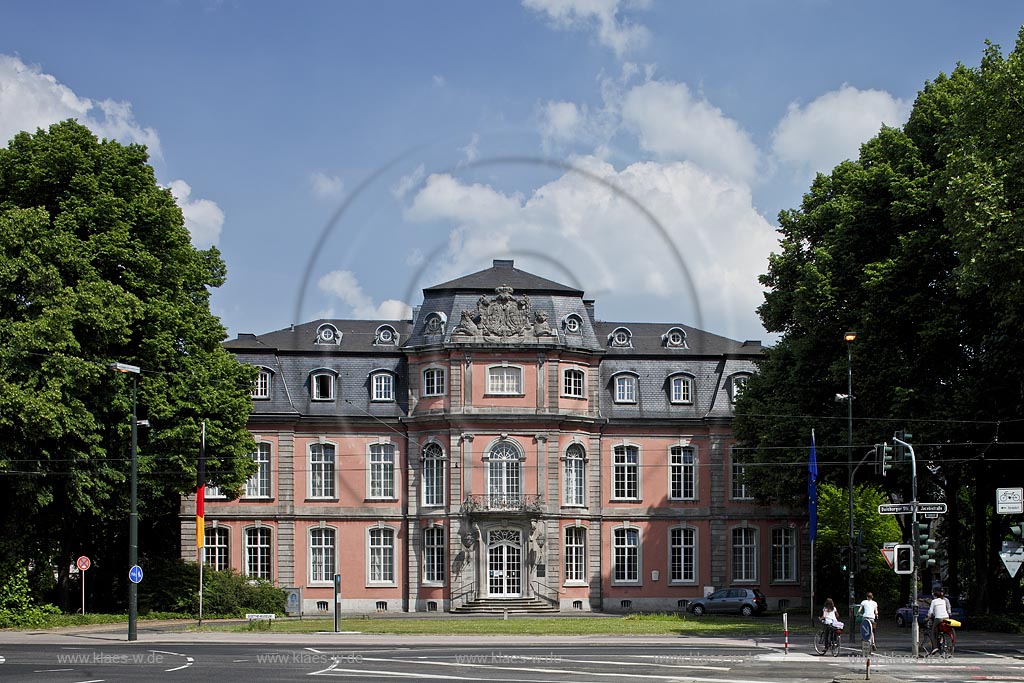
[
  {"x": 96, "y": 267},
  {"x": 918, "y": 246}
]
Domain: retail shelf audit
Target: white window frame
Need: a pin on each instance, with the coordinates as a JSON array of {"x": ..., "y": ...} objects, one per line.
[
  {"x": 573, "y": 324},
  {"x": 381, "y": 471},
  {"x": 737, "y": 489},
  {"x": 743, "y": 554},
  {"x": 321, "y": 385},
  {"x": 736, "y": 386},
  {"x": 505, "y": 380},
  {"x": 386, "y": 336},
  {"x": 322, "y": 459},
  {"x": 682, "y": 473},
  {"x": 213, "y": 492},
  {"x": 380, "y": 556},
  {"x": 574, "y": 476},
  {"x": 218, "y": 547},
  {"x": 625, "y": 388},
  {"x": 382, "y": 385},
  {"x": 681, "y": 389},
  {"x": 433, "y": 464},
  {"x": 682, "y": 555},
  {"x": 261, "y": 389},
  {"x": 323, "y": 555},
  {"x": 626, "y": 473},
  {"x": 259, "y": 485},
  {"x": 784, "y": 554},
  {"x": 434, "y": 555},
  {"x": 504, "y": 474},
  {"x": 261, "y": 553},
  {"x": 575, "y": 555},
  {"x": 434, "y": 382},
  {"x": 574, "y": 383},
  {"x": 626, "y": 556}
]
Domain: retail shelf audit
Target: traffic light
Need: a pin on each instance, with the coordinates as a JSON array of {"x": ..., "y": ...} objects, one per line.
[
  {"x": 862, "y": 561},
  {"x": 925, "y": 545},
  {"x": 883, "y": 458},
  {"x": 903, "y": 559},
  {"x": 901, "y": 450},
  {"x": 844, "y": 559}
]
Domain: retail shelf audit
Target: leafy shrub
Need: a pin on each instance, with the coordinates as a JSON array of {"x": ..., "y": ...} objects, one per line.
[
  {"x": 225, "y": 593},
  {"x": 16, "y": 608}
]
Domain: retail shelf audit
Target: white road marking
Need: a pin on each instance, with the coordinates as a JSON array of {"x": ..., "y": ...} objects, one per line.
[
  {"x": 46, "y": 671},
  {"x": 188, "y": 660}
]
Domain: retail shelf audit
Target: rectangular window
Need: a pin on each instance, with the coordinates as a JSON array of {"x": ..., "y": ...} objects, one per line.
[
  {"x": 433, "y": 382},
  {"x": 783, "y": 554},
  {"x": 262, "y": 387},
  {"x": 258, "y": 485},
  {"x": 682, "y": 474},
  {"x": 744, "y": 554},
  {"x": 573, "y": 384},
  {"x": 739, "y": 487},
  {"x": 382, "y": 471},
  {"x": 382, "y": 556},
  {"x": 321, "y": 471},
  {"x": 257, "y": 552},
  {"x": 575, "y": 554},
  {"x": 321, "y": 555},
  {"x": 323, "y": 387},
  {"x": 682, "y": 390},
  {"x": 217, "y": 548},
  {"x": 625, "y": 389},
  {"x": 573, "y": 476},
  {"x": 626, "y": 473},
  {"x": 433, "y": 475},
  {"x": 683, "y": 555},
  {"x": 213, "y": 492},
  {"x": 626, "y": 555},
  {"x": 433, "y": 554},
  {"x": 383, "y": 387},
  {"x": 739, "y": 383},
  {"x": 505, "y": 380}
]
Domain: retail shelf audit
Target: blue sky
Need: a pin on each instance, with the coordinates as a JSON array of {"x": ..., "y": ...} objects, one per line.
[{"x": 344, "y": 155}]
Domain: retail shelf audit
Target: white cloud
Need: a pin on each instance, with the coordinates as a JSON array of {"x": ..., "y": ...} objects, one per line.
[
  {"x": 601, "y": 16},
  {"x": 832, "y": 128},
  {"x": 344, "y": 285},
  {"x": 439, "y": 81},
  {"x": 31, "y": 99},
  {"x": 472, "y": 148},
  {"x": 593, "y": 228},
  {"x": 326, "y": 186},
  {"x": 203, "y": 217},
  {"x": 560, "y": 122},
  {"x": 407, "y": 182},
  {"x": 673, "y": 124}
]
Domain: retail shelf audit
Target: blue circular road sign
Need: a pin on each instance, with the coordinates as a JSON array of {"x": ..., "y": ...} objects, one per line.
[{"x": 135, "y": 574}]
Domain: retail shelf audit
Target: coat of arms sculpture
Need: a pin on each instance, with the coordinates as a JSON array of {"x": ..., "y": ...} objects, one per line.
[{"x": 503, "y": 318}]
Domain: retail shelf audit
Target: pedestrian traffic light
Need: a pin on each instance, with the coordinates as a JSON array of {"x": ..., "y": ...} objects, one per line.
[
  {"x": 925, "y": 545},
  {"x": 844, "y": 559},
  {"x": 903, "y": 559},
  {"x": 883, "y": 458}
]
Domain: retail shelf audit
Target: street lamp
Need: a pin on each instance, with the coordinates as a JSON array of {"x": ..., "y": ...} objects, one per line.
[
  {"x": 849, "y": 338},
  {"x": 133, "y": 517}
]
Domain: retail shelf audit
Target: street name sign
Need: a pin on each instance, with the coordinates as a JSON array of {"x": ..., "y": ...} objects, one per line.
[
  {"x": 939, "y": 508},
  {"x": 1010, "y": 501},
  {"x": 896, "y": 509}
]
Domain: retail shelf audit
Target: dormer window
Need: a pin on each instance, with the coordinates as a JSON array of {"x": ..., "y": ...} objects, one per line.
[
  {"x": 261, "y": 389},
  {"x": 681, "y": 389},
  {"x": 321, "y": 385},
  {"x": 621, "y": 338},
  {"x": 382, "y": 386},
  {"x": 625, "y": 388},
  {"x": 573, "y": 324},
  {"x": 385, "y": 336},
  {"x": 675, "y": 338},
  {"x": 737, "y": 385},
  {"x": 435, "y": 323},
  {"x": 328, "y": 334}
]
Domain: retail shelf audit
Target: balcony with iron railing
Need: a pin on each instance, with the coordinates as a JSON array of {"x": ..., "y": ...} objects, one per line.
[{"x": 503, "y": 503}]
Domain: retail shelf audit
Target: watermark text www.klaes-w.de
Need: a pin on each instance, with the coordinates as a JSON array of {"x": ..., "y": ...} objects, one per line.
[
  {"x": 301, "y": 657},
  {"x": 100, "y": 657},
  {"x": 504, "y": 658}
]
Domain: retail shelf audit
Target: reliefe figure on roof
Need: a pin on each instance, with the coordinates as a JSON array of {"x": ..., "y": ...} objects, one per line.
[{"x": 503, "y": 318}]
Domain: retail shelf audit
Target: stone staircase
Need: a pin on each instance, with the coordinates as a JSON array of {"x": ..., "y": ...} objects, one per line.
[{"x": 511, "y": 605}]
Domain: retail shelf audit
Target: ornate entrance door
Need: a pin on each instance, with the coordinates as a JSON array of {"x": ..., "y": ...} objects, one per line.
[{"x": 505, "y": 563}]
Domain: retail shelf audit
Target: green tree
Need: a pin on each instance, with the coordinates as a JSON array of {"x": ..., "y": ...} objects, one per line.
[
  {"x": 96, "y": 266},
  {"x": 918, "y": 246}
]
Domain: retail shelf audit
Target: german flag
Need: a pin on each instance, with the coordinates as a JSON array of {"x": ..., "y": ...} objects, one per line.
[{"x": 201, "y": 492}]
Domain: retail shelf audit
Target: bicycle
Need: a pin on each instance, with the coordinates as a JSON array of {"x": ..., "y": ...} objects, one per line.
[
  {"x": 828, "y": 639},
  {"x": 946, "y": 637}
]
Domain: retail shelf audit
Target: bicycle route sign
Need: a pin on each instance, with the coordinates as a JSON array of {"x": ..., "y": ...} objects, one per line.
[{"x": 1010, "y": 501}]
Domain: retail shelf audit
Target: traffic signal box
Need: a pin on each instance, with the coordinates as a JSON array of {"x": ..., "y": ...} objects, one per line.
[
  {"x": 925, "y": 545},
  {"x": 883, "y": 458},
  {"x": 903, "y": 559},
  {"x": 844, "y": 559}
]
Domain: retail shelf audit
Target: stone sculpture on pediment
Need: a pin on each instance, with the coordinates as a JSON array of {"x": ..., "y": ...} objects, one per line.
[{"x": 503, "y": 318}]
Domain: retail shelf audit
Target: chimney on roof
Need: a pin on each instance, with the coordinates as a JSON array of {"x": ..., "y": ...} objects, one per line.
[{"x": 503, "y": 263}]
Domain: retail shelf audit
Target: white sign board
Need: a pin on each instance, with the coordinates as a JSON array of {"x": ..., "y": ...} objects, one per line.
[
  {"x": 1010, "y": 501},
  {"x": 1012, "y": 556}
]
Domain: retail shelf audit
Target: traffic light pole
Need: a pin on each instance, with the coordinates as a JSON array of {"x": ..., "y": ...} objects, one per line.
[{"x": 915, "y": 629}]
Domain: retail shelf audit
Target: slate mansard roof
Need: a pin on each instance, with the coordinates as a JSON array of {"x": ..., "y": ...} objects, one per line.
[{"x": 354, "y": 348}]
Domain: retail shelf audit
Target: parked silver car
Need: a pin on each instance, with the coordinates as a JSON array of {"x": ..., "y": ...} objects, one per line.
[{"x": 745, "y": 601}]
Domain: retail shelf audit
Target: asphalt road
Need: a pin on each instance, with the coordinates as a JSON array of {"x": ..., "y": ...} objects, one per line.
[{"x": 104, "y": 655}]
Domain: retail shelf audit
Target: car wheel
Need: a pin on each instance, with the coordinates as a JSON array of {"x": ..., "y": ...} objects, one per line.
[
  {"x": 698, "y": 610},
  {"x": 900, "y": 621},
  {"x": 747, "y": 611}
]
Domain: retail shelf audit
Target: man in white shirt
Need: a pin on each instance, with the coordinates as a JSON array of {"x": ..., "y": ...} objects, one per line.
[
  {"x": 937, "y": 611},
  {"x": 869, "y": 611}
]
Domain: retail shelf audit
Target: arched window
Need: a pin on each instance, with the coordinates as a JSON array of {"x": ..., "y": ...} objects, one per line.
[
  {"x": 504, "y": 476},
  {"x": 258, "y": 552},
  {"x": 433, "y": 475},
  {"x": 573, "y": 476},
  {"x": 681, "y": 387},
  {"x": 261, "y": 389}
]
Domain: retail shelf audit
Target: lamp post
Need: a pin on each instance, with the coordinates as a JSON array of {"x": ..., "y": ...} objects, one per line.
[
  {"x": 849, "y": 337},
  {"x": 133, "y": 516}
]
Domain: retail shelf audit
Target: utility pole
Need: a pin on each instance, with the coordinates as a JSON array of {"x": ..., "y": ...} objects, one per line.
[
  {"x": 849, "y": 337},
  {"x": 914, "y": 627}
]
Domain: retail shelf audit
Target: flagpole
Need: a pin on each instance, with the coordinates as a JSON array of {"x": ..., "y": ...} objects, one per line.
[
  {"x": 201, "y": 515},
  {"x": 812, "y": 504}
]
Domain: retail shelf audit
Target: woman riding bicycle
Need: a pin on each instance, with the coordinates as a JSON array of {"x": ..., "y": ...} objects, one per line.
[
  {"x": 937, "y": 613},
  {"x": 829, "y": 637}
]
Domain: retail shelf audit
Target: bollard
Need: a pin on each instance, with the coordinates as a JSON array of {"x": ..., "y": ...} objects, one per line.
[{"x": 785, "y": 630}]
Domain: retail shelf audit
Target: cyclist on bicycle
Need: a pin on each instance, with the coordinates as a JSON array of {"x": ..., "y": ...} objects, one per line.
[
  {"x": 937, "y": 613},
  {"x": 830, "y": 615}
]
